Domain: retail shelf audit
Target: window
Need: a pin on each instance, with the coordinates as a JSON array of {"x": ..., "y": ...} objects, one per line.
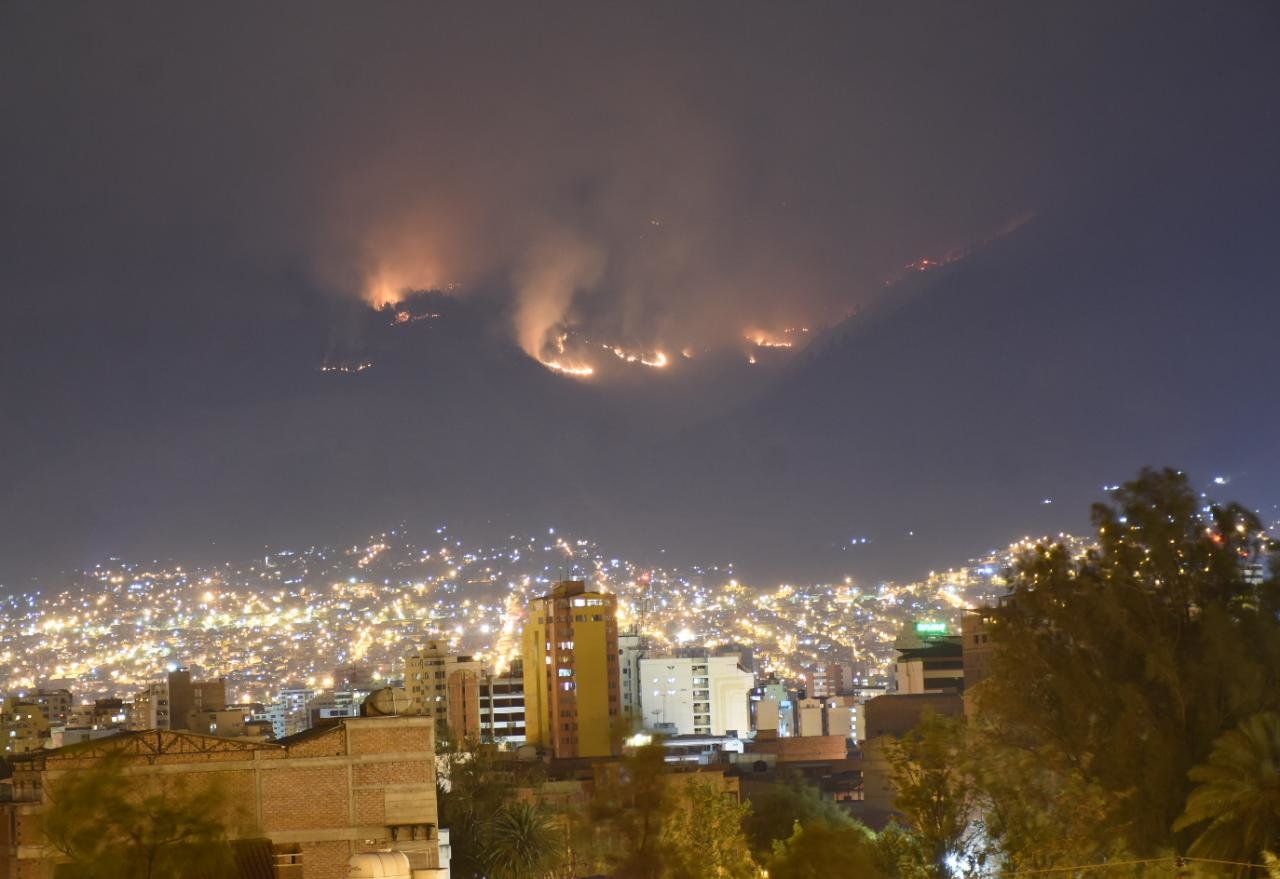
[{"x": 565, "y": 672}]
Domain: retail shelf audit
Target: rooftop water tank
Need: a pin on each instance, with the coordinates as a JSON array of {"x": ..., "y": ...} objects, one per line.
[{"x": 379, "y": 865}]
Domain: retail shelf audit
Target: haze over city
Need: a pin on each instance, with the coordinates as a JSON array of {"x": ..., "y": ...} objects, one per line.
[
  {"x": 741, "y": 283},
  {"x": 567, "y": 440}
]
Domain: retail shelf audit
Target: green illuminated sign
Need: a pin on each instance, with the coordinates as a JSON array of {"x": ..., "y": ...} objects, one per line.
[{"x": 931, "y": 628}]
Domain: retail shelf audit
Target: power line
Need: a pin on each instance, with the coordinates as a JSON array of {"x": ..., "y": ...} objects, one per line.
[
  {"x": 1232, "y": 863},
  {"x": 1177, "y": 862},
  {"x": 1085, "y": 867}
]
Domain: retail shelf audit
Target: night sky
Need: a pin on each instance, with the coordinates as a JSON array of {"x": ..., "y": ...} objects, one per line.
[{"x": 202, "y": 205}]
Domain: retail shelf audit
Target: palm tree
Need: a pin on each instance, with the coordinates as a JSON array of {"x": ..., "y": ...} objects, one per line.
[
  {"x": 1238, "y": 793},
  {"x": 523, "y": 843}
]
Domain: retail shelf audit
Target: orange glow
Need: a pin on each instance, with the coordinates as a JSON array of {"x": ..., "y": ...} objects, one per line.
[
  {"x": 656, "y": 359},
  {"x": 390, "y": 282},
  {"x": 761, "y": 339},
  {"x": 578, "y": 370}
]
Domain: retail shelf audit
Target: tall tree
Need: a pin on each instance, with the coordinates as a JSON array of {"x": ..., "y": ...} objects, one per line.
[
  {"x": 1119, "y": 669},
  {"x": 819, "y": 850},
  {"x": 648, "y": 822},
  {"x": 936, "y": 798},
  {"x": 1236, "y": 803},
  {"x": 704, "y": 838},
  {"x": 635, "y": 806},
  {"x": 109, "y": 825},
  {"x": 777, "y": 809}
]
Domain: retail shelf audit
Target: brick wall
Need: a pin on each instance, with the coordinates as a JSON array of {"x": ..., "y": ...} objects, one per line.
[
  {"x": 304, "y": 798},
  {"x": 333, "y": 792},
  {"x": 326, "y": 860},
  {"x": 391, "y": 740}
]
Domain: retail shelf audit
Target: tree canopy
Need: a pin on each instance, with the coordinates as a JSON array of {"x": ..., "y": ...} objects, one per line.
[
  {"x": 778, "y": 808},
  {"x": 110, "y": 825},
  {"x": 1114, "y": 674}
]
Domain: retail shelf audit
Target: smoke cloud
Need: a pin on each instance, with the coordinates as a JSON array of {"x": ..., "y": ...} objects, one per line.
[
  {"x": 546, "y": 281},
  {"x": 656, "y": 175}
]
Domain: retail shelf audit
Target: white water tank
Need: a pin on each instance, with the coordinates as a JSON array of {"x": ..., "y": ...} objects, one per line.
[{"x": 379, "y": 865}]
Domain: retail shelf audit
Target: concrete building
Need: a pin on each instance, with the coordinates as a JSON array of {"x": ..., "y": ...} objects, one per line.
[
  {"x": 799, "y": 749},
  {"x": 898, "y": 713},
  {"x": 570, "y": 654},
  {"x": 23, "y": 726},
  {"x": 313, "y": 801},
  {"x": 809, "y": 720},
  {"x": 227, "y": 722},
  {"x": 150, "y": 708},
  {"x": 187, "y": 696},
  {"x": 446, "y": 686},
  {"x": 170, "y": 704},
  {"x": 325, "y": 708},
  {"x": 288, "y": 714},
  {"x": 772, "y": 714},
  {"x": 831, "y": 679},
  {"x": 55, "y": 703},
  {"x": 696, "y": 695},
  {"x": 844, "y": 715},
  {"x": 630, "y": 651},
  {"x": 502, "y": 709},
  {"x": 107, "y": 714},
  {"x": 977, "y": 649},
  {"x": 929, "y": 660}
]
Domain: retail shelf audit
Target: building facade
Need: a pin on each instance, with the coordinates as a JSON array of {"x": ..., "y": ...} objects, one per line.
[
  {"x": 571, "y": 680},
  {"x": 23, "y": 726},
  {"x": 630, "y": 651},
  {"x": 364, "y": 785},
  {"x": 175, "y": 702},
  {"x": 502, "y": 709},
  {"x": 447, "y": 687},
  {"x": 697, "y": 695},
  {"x": 977, "y": 649},
  {"x": 929, "y": 660}
]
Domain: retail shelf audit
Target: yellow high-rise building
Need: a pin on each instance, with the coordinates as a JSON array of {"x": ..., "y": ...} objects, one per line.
[{"x": 571, "y": 671}]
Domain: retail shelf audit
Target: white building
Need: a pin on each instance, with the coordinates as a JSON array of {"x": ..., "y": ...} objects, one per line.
[
  {"x": 698, "y": 695},
  {"x": 843, "y": 715},
  {"x": 809, "y": 717},
  {"x": 288, "y": 713},
  {"x": 630, "y": 650}
]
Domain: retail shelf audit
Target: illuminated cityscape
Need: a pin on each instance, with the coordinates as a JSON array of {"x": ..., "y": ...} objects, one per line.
[
  {"x": 591, "y": 440},
  {"x": 294, "y": 616}
]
